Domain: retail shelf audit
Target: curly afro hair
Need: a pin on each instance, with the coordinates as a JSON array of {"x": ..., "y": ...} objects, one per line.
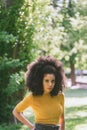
[{"x": 35, "y": 73}]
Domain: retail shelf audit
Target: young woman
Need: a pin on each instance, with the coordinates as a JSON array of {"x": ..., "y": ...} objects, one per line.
[{"x": 45, "y": 80}]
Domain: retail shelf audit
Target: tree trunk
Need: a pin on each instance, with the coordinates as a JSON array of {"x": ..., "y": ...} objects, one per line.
[
  {"x": 6, "y": 3},
  {"x": 16, "y": 50},
  {"x": 73, "y": 77}
]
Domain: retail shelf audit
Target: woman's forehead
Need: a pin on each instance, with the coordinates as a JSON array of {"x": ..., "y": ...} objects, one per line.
[{"x": 49, "y": 76}]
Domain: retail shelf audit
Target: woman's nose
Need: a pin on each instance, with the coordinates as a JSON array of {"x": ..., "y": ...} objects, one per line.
[{"x": 50, "y": 83}]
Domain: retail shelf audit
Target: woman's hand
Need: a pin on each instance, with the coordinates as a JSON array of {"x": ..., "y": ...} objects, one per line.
[
  {"x": 62, "y": 122},
  {"x": 23, "y": 119},
  {"x": 32, "y": 128}
]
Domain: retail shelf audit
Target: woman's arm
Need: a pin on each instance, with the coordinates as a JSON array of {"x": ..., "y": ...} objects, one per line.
[
  {"x": 62, "y": 122},
  {"x": 22, "y": 119}
]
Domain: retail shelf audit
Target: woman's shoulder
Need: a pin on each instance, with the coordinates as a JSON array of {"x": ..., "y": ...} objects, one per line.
[
  {"x": 29, "y": 96},
  {"x": 61, "y": 94},
  {"x": 61, "y": 97}
]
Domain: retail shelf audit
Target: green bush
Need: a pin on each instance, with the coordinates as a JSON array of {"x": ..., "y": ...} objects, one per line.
[
  {"x": 16, "y": 50},
  {"x": 11, "y": 86},
  {"x": 10, "y": 127}
]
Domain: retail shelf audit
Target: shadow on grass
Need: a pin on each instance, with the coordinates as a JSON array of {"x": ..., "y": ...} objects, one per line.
[
  {"x": 76, "y": 93},
  {"x": 76, "y": 109},
  {"x": 75, "y": 116},
  {"x": 72, "y": 123}
]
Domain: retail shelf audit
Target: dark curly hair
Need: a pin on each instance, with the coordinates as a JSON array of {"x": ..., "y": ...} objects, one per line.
[{"x": 35, "y": 73}]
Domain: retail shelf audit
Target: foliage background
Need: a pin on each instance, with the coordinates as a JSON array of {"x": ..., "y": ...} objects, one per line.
[{"x": 29, "y": 29}]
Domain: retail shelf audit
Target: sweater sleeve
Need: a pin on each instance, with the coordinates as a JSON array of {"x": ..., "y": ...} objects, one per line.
[
  {"x": 62, "y": 101},
  {"x": 24, "y": 104}
]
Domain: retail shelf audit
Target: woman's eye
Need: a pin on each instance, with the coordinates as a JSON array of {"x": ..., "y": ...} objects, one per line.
[
  {"x": 47, "y": 81},
  {"x": 53, "y": 81}
]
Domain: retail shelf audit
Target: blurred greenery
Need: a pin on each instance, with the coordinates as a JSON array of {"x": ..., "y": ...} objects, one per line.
[{"x": 29, "y": 29}]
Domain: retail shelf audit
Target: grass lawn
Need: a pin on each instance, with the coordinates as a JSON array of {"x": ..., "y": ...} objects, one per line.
[
  {"x": 76, "y": 109},
  {"x": 75, "y": 112}
]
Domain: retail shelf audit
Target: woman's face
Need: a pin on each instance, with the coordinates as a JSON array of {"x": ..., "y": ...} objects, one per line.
[{"x": 48, "y": 82}]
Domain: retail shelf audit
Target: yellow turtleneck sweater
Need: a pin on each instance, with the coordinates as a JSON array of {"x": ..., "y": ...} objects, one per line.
[{"x": 47, "y": 109}]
